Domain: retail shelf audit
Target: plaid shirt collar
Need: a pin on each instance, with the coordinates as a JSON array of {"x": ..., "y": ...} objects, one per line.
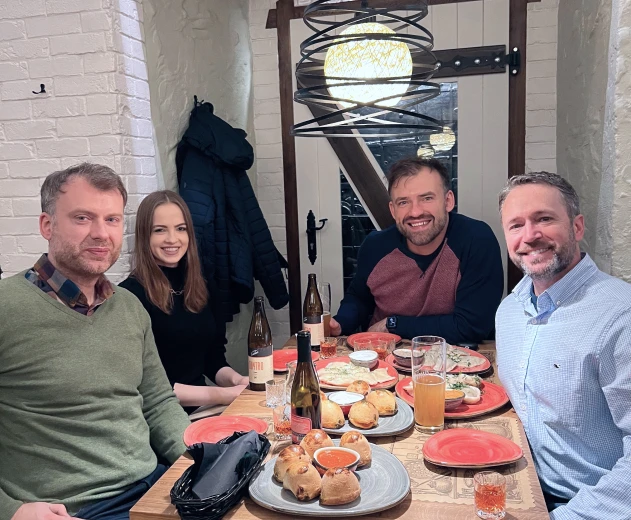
[{"x": 50, "y": 280}]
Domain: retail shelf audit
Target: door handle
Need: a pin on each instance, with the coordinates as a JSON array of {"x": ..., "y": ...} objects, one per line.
[{"x": 312, "y": 249}]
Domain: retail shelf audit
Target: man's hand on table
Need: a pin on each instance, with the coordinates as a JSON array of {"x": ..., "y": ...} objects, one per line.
[
  {"x": 41, "y": 511},
  {"x": 336, "y": 328},
  {"x": 380, "y": 326},
  {"x": 230, "y": 393}
]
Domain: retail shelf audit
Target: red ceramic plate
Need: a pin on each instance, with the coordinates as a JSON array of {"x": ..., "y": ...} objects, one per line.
[
  {"x": 385, "y": 336},
  {"x": 391, "y": 360},
  {"x": 213, "y": 429},
  {"x": 345, "y": 359},
  {"x": 468, "y": 448},
  {"x": 493, "y": 397},
  {"x": 282, "y": 357}
]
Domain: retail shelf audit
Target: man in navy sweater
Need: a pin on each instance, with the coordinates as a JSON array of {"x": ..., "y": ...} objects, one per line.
[{"x": 433, "y": 273}]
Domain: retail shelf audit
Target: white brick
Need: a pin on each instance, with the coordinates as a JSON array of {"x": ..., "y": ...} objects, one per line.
[
  {"x": 58, "y": 107},
  {"x": 130, "y": 8},
  {"x": 53, "y": 25},
  {"x": 4, "y": 170},
  {"x": 79, "y": 86},
  {"x": 14, "y": 263},
  {"x": 6, "y": 208},
  {"x": 8, "y": 244},
  {"x": 272, "y": 208},
  {"x": 541, "y": 101},
  {"x": 541, "y": 69},
  {"x": 131, "y": 166},
  {"x": 265, "y": 122},
  {"x": 32, "y": 244},
  {"x": 536, "y": 165},
  {"x": 99, "y": 62},
  {"x": 142, "y": 89},
  {"x": 95, "y": 21},
  {"x": 543, "y": 18},
  {"x": 83, "y": 125},
  {"x": 58, "y": 66},
  {"x": 271, "y": 136},
  {"x": 541, "y": 151},
  {"x": 24, "y": 130},
  {"x": 141, "y": 128},
  {"x": 14, "y": 90},
  {"x": 260, "y": 33},
  {"x": 269, "y": 165},
  {"x": 130, "y": 27},
  {"x": 275, "y": 220},
  {"x": 72, "y": 6},
  {"x": 535, "y": 118},
  {"x": 268, "y": 151},
  {"x": 266, "y": 106},
  {"x": 15, "y": 151},
  {"x": 33, "y": 169},
  {"x": 148, "y": 166},
  {"x": 132, "y": 67},
  {"x": 265, "y": 47},
  {"x": 26, "y": 208},
  {"x": 77, "y": 43},
  {"x": 129, "y": 47},
  {"x": 102, "y": 104},
  {"x": 269, "y": 193},
  {"x": 19, "y": 187},
  {"x": 13, "y": 70},
  {"x": 105, "y": 145},
  {"x": 141, "y": 183},
  {"x": 267, "y": 92},
  {"x": 542, "y": 34},
  {"x": 266, "y": 63},
  {"x": 258, "y": 16},
  {"x": 62, "y": 147},
  {"x": 135, "y": 107},
  {"x": 21, "y": 8},
  {"x": 541, "y": 86},
  {"x": 138, "y": 147},
  {"x": 541, "y": 134},
  {"x": 24, "y": 49},
  {"x": 12, "y": 30},
  {"x": 122, "y": 84},
  {"x": 542, "y": 51},
  {"x": 270, "y": 179},
  {"x": 265, "y": 77}
]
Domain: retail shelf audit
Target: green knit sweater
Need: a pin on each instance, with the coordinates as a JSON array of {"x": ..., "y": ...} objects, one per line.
[{"x": 85, "y": 404}]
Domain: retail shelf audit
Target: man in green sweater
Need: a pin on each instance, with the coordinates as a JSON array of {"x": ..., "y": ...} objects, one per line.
[{"x": 86, "y": 409}]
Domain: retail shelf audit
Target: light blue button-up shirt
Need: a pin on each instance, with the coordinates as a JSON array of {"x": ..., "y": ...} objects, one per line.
[{"x": 566, "y": 366}]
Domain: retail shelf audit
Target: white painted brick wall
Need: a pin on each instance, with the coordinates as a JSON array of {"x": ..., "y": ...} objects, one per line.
[
  {"x": 540, "y": 112},
  {"x": 90, "y": 56}
]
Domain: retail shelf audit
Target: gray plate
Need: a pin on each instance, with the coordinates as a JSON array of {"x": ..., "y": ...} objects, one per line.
[
  {"x": 384, "y": 484},
  {"x": 390, "y": 425}
]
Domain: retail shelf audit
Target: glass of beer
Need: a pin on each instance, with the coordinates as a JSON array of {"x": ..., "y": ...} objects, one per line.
[
  {"x": 324, "y": 288},
  {"x": 429, "y": 362},
  {"x": 490, "y": 495}
]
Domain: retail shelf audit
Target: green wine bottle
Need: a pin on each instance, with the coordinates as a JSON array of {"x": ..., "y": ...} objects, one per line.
[{"x": 305, "y": 392}]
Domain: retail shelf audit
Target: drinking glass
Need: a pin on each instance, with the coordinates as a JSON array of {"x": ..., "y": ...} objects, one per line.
[
  {"x": 275, "y": 392},
  {"x": 324, "y": 288},
  {"x": 490, "y": 495},
  {"x": 328, "y": 348},
  {"x": 429, "y": 382},
  {"x": 382, "y": 348},
  {"x": 282, "y": 422},
  {"x": 291, "y": 372},
  {"x": 362, "y": 344}
]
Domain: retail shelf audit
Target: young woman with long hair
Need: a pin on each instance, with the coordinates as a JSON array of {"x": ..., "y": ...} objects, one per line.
[{"x": 167, "y": 278}]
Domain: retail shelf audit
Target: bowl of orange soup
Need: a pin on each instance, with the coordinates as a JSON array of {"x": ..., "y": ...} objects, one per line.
[{"x": 335, "y": 457}]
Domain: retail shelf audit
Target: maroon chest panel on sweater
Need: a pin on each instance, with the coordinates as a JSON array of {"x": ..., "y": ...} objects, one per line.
[{"x": 401, "y": 288}]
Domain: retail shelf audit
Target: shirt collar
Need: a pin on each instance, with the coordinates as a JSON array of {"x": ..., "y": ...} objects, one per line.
[
  {"x": 563, "y": 289},
  {"x": 65, "y": 289}
]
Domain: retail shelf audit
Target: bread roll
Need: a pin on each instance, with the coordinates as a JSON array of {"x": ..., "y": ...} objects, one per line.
[
  {"x": 339, "y": 486},
  {"x": 355, "y": 441},
  {"x": 303, "y": 480},
  {"x": 332, "y": 415},
  {"x": 293, "y": 453},
  {"x": 359, "y": 387},
  {"x": 384, "y": 401},
  {"x": 314, "y": 440},
  {"x": 323, "y": 396},
  {"x": 363, "y": 415}
]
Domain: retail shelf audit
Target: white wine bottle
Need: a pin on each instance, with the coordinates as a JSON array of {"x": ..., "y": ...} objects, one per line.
[
  {"x": 313, "y": 313},
  {"x": 305, "y": 392},
  {"x": 260, "y": 348}
]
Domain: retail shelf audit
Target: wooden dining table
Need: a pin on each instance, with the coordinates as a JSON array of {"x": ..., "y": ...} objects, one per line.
[{"x": 436, "y": 493}]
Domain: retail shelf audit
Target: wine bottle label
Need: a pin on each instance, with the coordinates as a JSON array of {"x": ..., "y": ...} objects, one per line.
[
  {"x": 317, "y": 332},
  {"x": 260, "y": 369},
  {"x": 300, "y": 426}
]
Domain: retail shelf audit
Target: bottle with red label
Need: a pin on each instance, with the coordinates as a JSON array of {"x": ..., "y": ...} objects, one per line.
[
  {"x": 305, "y": 392},
  {"x": 260, "y": 348}
]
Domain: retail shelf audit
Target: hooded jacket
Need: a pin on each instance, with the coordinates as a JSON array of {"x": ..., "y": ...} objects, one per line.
[{"x": 234, "y": 241}]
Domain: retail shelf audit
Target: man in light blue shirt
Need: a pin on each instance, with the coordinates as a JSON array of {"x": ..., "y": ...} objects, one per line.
[{"x": 564, "y": 353}]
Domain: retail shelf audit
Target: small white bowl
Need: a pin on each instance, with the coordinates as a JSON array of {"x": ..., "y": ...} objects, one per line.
[
  {"x": 364, "y": 358},
  {"x": 345, "y": 399}
]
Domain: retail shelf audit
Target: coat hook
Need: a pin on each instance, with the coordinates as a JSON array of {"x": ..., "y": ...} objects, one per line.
[{"x": 42, "y": 89}]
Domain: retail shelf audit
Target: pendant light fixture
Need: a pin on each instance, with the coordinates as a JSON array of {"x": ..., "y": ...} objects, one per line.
[{"x": 365, "y": 69}]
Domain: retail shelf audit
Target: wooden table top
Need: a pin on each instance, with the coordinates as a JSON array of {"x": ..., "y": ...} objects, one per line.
[{"x": 437, "y": 493}]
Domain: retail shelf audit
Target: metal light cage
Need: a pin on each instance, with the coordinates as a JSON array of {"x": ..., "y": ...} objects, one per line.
[{"x": 344, "y": 117}]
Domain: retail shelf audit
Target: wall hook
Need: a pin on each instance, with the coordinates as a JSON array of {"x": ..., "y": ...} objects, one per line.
[{"x": 42, "y": 89}]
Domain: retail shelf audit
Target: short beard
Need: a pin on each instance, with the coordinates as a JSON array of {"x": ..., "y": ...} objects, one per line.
[
  {"x": 68, "y": 259},
  {"x": 425, "y": 237},
  {"x": 561, "y": 260}
]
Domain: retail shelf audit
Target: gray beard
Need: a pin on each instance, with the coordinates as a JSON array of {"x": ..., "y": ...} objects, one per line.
[{"x": 559, "y": 263}]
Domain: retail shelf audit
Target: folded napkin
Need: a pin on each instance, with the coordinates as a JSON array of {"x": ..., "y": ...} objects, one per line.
[{"x": 218, "y": 467}]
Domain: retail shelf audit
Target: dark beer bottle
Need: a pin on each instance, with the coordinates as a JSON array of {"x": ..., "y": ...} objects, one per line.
[
  {"x": 305, "y": 392},
  {"x": 313, "y": 312},
  {"x": 260, "y": 348}
]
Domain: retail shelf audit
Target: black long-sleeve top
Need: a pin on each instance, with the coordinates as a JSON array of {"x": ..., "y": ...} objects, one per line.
[{"x": 190, "y": 345}]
